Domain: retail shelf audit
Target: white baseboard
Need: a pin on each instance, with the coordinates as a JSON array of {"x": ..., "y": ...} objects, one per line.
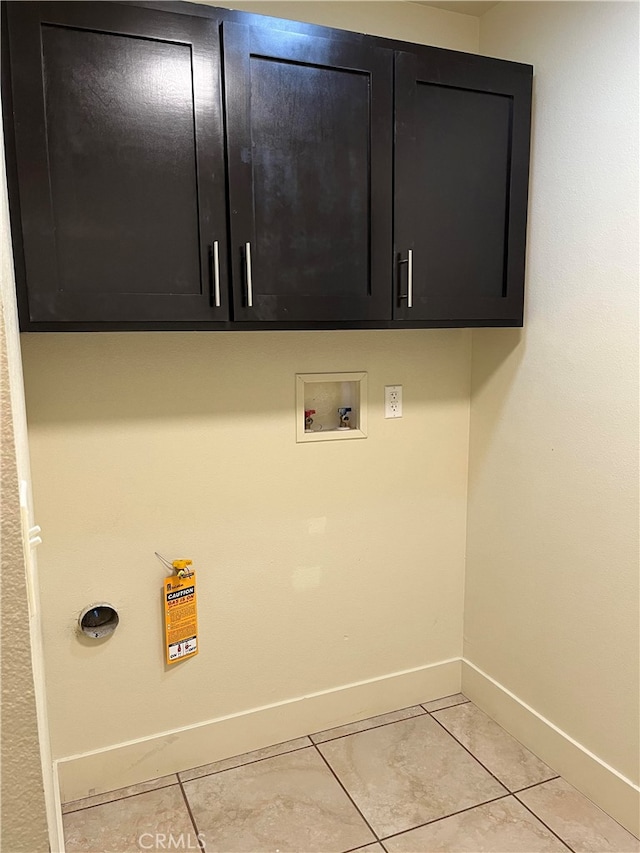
[
  {"x": 601, "y": 783},
  {"x": 168, "y": 752},
  {"x": 57, "y": 843},
  {"x": 179, "y": 749}
]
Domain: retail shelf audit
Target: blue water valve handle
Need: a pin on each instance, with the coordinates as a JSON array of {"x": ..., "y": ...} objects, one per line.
[{"x": 344, "y": 417}]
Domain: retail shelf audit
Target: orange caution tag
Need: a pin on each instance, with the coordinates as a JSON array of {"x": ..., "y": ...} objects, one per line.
[{"x": 180, "y": 617}]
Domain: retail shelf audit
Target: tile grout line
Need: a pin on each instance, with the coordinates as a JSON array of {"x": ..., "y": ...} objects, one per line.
[
  {"x": 117, "y": 799},
  {"x": 445, "y": 816},
  {"x": 445, "y": 707},
  {"x": 364, "y": 847},
  {"x": 351, "y": 800},
  {"x": 245, "y": 763},
  {"x": 505, "y": 796},
  {"x": 518, "y": 790},
  {"x": 535, "y": 785},
  {"x": 475, "y": 758},
  {"x": 537, "y": 817},
  {"x": 512, "y": 793},
  {"x": 201, "y": 845},
  {"x": 370, "y": 729}
]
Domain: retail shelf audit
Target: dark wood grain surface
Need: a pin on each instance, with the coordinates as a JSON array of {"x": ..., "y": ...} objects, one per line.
[
  {"x": 461, "y": 159},
  {"x": 120, "y": 161},
  {"x": 309, "y": 124},
  {"x": 126, "y": 161}
]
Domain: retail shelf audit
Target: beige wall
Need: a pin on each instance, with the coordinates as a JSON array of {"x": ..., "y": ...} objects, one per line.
[
  {"x": 320, "y": 564},
  {"x": 552, "y": 555},
  {"x": 327, "y": 564},
  {"x": 23, "y": 815},
  {"x": 388, "y": 18}
]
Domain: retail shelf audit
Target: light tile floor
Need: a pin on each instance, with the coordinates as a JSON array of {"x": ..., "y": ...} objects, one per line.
[{"x": 436, "y": 777}]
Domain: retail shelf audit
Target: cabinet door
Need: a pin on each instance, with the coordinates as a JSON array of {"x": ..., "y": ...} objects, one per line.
[
  {"x": 120, "y": 164},
  {"x": 309, "y": 123},
  {"x": 461, "y": 173}
]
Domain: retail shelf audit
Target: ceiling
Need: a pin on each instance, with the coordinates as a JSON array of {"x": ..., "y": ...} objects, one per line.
[{"x": 466, "y": 7}]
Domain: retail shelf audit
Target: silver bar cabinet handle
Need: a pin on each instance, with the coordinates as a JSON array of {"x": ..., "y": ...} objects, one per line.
[
  {"x": 409, "y": 263},
  {"x": 216, "y": 274},
  {"x": 247, "y": 261}
]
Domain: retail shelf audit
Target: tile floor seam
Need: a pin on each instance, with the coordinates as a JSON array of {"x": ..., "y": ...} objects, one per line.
[
  {"x": 444, "y": 817},
  {"x": 294, "y": 799},
  {"x": 370, "y": 729},
  {"x": 201, "y": 846},
  {"x": 504, "y": 784},
  {"x": 522, "y": 790},
  {"x": 125, "y": 797},
  {"x": 362, "y": 847},
  {"x": 505, "y": 790},
  {"x": 536, "y": 784},
  {"x": 499, "y": 781},
  {"x": 245, "y": 764},
  {"x": 351, "y": 800},
  {"x": 445, "y": 707},
  {"x": 537, "y": 817}
]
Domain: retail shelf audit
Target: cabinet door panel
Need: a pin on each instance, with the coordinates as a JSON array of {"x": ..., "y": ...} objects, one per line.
[
  {"x": 309, "y": 140},
  {"x": 461, "y": 187},
  {"x": 119, "y": 116}
]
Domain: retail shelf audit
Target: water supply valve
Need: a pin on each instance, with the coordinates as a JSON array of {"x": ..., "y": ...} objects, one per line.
[
  {"x": 343, "y": 412},
  {"x": 308, "y": 420}
]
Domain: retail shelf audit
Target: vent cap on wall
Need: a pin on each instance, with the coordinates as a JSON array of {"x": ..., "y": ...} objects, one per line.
[{"x": 98, "y": 620}]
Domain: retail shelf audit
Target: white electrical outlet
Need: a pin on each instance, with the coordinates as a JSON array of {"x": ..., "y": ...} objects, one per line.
[{"x": 393, "y": 401}]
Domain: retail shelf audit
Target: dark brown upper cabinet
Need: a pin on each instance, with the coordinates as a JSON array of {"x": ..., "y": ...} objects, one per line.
[
  {"x": 309, "y": 140},
  {"x": 461, "y": 174},
  {"x": 119, "y": 156},
  {"x": 178, "y": 166}
]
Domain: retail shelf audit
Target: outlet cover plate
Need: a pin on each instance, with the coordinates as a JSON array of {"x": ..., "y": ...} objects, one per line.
[{"x": 393, "y": 401}]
